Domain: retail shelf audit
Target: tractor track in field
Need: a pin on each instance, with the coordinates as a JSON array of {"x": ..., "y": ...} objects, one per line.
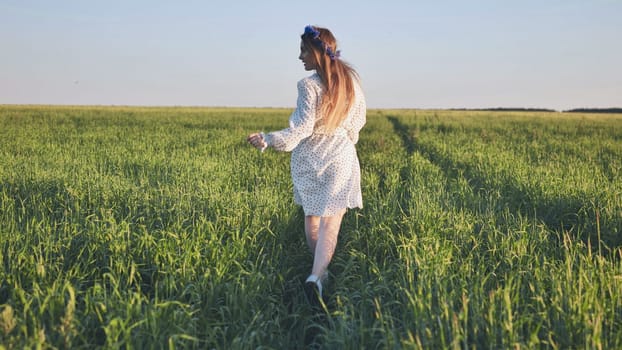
[{"x": 557, "y": 213}]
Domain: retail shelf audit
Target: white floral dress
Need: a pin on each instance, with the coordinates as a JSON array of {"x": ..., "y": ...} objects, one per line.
[{"x": 324, "y": 166}]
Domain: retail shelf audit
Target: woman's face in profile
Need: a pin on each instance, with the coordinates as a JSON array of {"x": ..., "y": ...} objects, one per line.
[{"x": 307, "y": 57}]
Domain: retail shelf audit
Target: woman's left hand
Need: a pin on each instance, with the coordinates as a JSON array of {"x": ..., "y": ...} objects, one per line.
[{"x": 257, "y": 141}]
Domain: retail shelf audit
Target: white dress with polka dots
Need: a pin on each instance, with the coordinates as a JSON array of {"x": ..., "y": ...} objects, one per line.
[{"x": 324, "y": 166}]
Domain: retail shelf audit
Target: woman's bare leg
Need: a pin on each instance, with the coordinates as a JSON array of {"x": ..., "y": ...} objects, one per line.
[
  {"x": 312, "y": 227},
  {"x": 326, "y": 242}
]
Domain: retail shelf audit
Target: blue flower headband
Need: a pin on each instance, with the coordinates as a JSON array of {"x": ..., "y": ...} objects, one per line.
[{"x": 315, "y": 35}]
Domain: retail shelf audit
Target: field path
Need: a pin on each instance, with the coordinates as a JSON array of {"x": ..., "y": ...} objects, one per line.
[{"x": 495, "y": 188}]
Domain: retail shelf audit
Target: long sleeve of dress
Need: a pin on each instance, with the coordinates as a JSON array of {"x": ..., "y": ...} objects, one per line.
[
  {"x": 357, "y": 117},
  {"x": 301, "y": 121}
]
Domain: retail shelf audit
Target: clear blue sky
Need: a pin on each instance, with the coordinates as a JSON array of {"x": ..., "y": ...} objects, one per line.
[{"x": 558, "y": 54}]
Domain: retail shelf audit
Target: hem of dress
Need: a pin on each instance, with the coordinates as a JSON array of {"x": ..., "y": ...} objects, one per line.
[{"x": 324, "y": 214}]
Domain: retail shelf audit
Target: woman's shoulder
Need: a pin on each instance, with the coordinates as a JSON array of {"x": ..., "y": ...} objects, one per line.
[{"x": 311, "y": 81}]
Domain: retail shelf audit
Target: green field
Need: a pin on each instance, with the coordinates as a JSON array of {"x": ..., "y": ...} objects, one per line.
[{"x": 161, "y": 228}]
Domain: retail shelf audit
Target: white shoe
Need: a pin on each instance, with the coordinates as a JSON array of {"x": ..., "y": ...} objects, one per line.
[{"x": 313, "y": 289}]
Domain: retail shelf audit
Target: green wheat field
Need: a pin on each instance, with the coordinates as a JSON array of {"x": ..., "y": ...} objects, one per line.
[{"x": 150, "y": 228}]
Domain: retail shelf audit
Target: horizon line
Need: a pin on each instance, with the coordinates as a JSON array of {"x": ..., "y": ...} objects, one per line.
[{"x": 293, "y": 107}]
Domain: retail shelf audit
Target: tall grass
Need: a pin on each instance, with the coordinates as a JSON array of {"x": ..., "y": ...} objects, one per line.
[{"x": 160, "y": 228}]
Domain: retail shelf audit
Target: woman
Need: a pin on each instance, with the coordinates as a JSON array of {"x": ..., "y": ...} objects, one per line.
[{"x": 321, "y": 135}]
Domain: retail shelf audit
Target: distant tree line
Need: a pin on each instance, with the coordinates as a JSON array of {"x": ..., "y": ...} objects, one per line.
[
  {"x": 595, "y": 110},
  {"x": 506, "y": 109},
  {"x": 575, "y": 110}
]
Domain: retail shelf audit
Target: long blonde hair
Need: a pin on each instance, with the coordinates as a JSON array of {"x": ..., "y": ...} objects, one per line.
[{"x": 337, "y": 76}]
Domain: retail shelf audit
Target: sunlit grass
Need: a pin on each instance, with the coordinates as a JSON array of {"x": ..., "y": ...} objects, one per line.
[{"x": 160, "y": 228}]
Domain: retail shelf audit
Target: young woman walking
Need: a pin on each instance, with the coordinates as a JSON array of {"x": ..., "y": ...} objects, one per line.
[{"x": 322, "y": 133}]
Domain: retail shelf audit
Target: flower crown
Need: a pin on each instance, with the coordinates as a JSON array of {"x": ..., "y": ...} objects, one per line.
[{"x": 315, "y": 36}]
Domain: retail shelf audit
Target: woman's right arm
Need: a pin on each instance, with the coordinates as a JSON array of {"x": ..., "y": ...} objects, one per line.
[{"x": 301, "y": 122}]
